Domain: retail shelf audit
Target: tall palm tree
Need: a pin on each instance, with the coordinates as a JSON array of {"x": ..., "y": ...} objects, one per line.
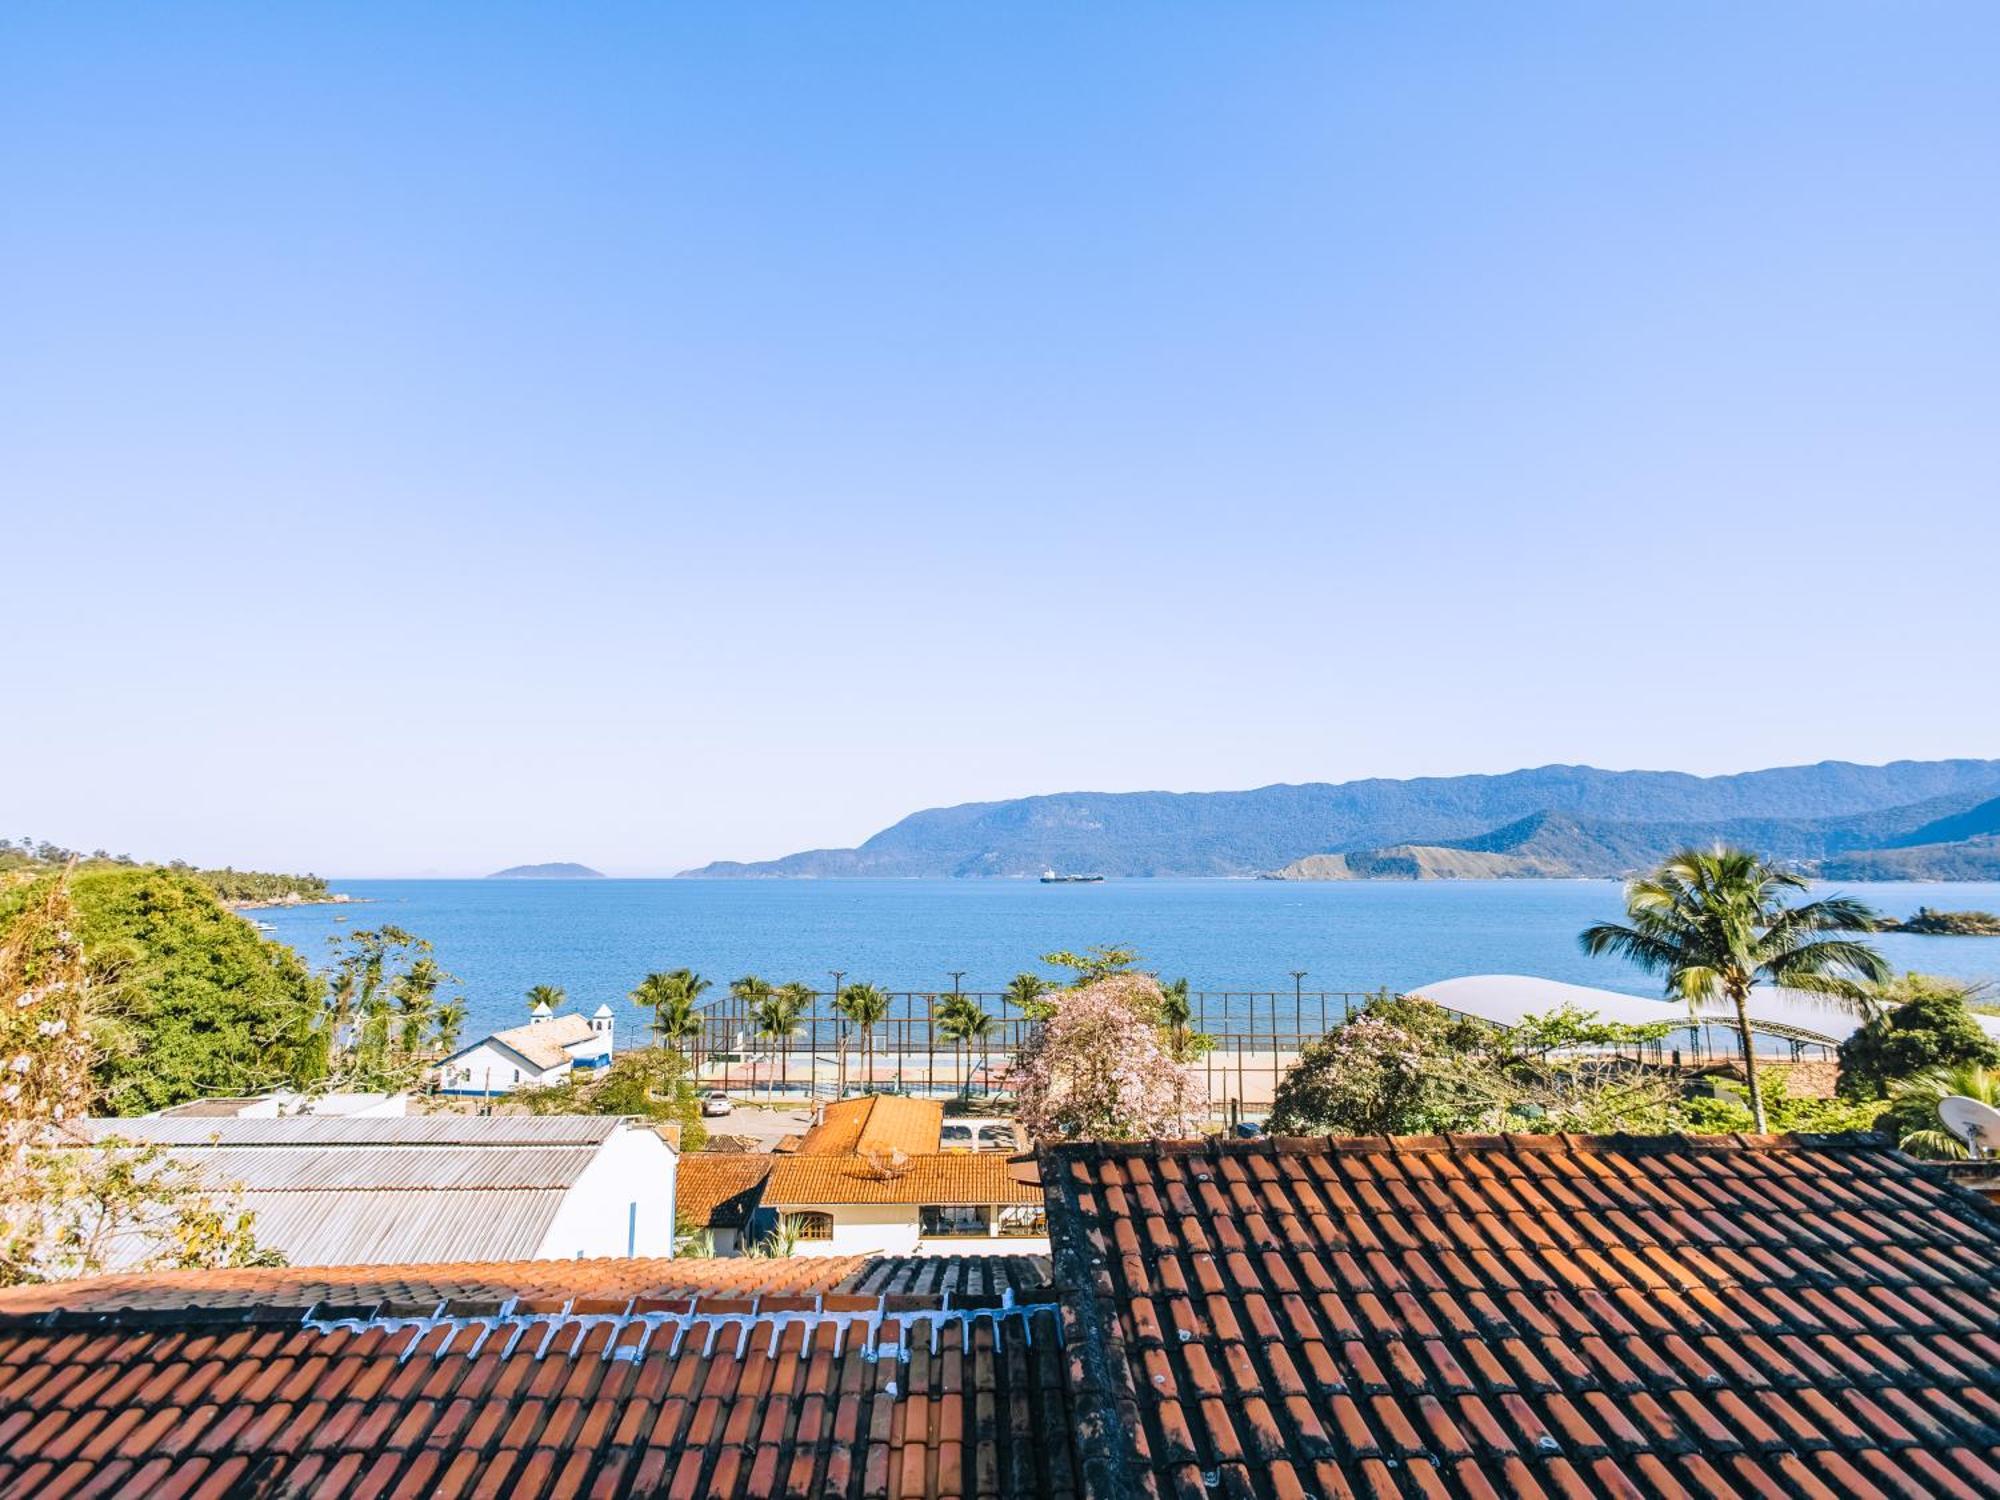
[
  {"x": 1177, "y": 1016},
  {"x": 776, "y": 1018},
  {"x": 865, "y": 1006},
  {"x": 551, "y": 995},
  {"x": 1714, "y": 923},
  {"x": 960, "y": 1020}
]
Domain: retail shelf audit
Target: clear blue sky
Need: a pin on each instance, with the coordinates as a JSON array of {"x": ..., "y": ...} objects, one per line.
[{"x": 438, "y": 436}]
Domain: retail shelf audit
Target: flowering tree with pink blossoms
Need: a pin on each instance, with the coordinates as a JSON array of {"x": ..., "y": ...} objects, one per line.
[{"x": 1099, "y": 1069}]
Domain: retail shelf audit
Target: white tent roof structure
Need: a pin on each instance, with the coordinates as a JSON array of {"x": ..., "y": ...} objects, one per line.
[{"x": 1505, "y": 999}]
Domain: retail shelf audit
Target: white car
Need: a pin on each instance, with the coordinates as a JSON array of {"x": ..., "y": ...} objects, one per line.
[{"x": 716, "y": 1103}]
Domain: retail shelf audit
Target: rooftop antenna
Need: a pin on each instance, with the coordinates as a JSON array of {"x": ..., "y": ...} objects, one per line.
[{"x": 1974, "y": 1122}]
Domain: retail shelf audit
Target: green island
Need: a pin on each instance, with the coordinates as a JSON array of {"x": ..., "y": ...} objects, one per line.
[
  {"x": 234, "y": 887},
  {"x": 1931, "y": 923}
]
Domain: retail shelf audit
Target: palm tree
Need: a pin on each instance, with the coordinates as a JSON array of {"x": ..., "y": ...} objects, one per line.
[
  {"x": 1916, "y": 1099},
  {"x": 450, "y": 1021},
  {"x": 1714, "y": 923},
  {"x": 550, "y": 995},
  {"x": 1177, "y": 1016},
  {"x": 671, "y": 997},
  {"x": 1025, "y": 991},
  {"x": 776, "y": 1017},
  {"x": 960, "y": 1019},
  {"x": 864, "y": 1005}
]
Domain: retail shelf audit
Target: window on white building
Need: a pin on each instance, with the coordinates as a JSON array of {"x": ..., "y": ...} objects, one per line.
[{"x": 950, "y": 1219}]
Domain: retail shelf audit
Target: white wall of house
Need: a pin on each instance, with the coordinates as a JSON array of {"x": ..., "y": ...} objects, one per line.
[
  {"x": 861, "y": 1228},
  {"x": 623, "y": 1204},
  {"x": 486, "y": 1069}
]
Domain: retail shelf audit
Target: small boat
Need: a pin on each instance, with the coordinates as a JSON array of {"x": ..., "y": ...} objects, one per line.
[{"x": 1050, "y": 877}]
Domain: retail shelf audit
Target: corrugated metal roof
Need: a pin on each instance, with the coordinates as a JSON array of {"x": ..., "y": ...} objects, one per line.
[
  {"x": 389, "y": 1228},
  {"x": 286, "y": 1169},
  {"x": 417, "y": 1130}
]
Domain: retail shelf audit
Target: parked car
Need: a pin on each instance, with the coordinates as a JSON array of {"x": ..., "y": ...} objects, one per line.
[{"x": 716, "y": 1103}]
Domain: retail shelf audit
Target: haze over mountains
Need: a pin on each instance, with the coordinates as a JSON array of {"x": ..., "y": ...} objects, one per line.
[{"x": 1910, "y": 820}]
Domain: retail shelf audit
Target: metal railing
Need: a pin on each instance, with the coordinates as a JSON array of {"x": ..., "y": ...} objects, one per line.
[{"x": 1254, "y": 1038}]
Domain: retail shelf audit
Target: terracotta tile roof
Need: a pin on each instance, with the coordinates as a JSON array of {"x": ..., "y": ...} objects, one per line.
[
  {"x": 426, "y": 1286},
  {"x": 876, "y": 1122},
  {"x": 718, "y": 1190},
  {"x": 952, "y": 1177},
  {"x": 1527, "y": 1316},
  {"x": 816, "y": 1396}
]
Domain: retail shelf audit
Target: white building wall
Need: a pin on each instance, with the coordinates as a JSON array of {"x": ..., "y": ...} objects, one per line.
[
  {"x": 485, "y": 1069},
  {"x": 623, "y": 1204},
  {"x": 862, "y": 1229}
]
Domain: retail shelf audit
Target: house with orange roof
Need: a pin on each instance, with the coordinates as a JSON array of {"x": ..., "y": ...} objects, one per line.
[{"x": 871, "y": 1178}]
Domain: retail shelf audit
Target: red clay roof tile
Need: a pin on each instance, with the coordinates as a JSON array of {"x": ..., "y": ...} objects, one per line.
[{"x": 1567, "y": 1316}]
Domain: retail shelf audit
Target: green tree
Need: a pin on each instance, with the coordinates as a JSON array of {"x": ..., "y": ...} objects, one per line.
[
  {"x": 1715, "y": 923},
  {"x": 776, "y": 1018},
  {"x": 190, "y": 1000},
  {"x": 551, "y": 995},
  {"x": 1926, "y": 1029},
  {"x": 647, "y": 1083},
  {"x": 69, "y": 1208},
  {"x": 1095, "y": 962},
  {"x": 866, "y": 1006},
  {"x": 1396, "y": 1066}
]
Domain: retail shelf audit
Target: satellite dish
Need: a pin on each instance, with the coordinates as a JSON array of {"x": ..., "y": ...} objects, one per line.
[{"x": 1977, "y": 1124}]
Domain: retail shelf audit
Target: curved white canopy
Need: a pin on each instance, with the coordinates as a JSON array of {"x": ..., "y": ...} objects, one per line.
[{"x": 1505, "y": 999}]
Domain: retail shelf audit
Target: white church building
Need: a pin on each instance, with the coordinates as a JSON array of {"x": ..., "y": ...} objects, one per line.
[{"x": 544, "y": 1051}]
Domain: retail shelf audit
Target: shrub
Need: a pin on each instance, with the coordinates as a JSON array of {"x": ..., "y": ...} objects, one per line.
[{"x": 1928, "y": 1031}]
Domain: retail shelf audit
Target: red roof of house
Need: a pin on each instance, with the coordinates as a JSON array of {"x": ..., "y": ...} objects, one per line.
[
  {"x": 687, "y": 1397},
  {"x": 719, "y": 1189},
  {"x": 1527, "y": 1316},
  {"x": 953, "y": 1178},
  {"x": 879, "y": 1123}
]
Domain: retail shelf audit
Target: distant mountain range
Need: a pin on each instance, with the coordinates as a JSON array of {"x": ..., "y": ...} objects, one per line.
[
  {"x": 1918, "y": 819},
  {"x": 560, "y": 870}
]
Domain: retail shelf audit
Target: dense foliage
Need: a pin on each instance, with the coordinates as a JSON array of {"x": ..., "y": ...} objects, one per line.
[
  {"x": 192, "y": 1001},
  {"x": 68, "y": 1208},
  {"x": 651, "y": 1083},
  {"x": 1926, "y": 1029},
  {"x": 1405, "y": 1066}
]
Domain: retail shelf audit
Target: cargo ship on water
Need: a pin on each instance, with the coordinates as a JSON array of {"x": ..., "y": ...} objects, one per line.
[{"x": 1050, "y": 877}]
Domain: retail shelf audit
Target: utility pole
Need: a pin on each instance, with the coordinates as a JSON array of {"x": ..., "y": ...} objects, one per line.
[{"x": 1298, "y": 1025}]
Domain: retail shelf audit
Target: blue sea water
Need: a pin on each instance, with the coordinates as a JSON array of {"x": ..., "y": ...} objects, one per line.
[{"x": 597, "y": 938}]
